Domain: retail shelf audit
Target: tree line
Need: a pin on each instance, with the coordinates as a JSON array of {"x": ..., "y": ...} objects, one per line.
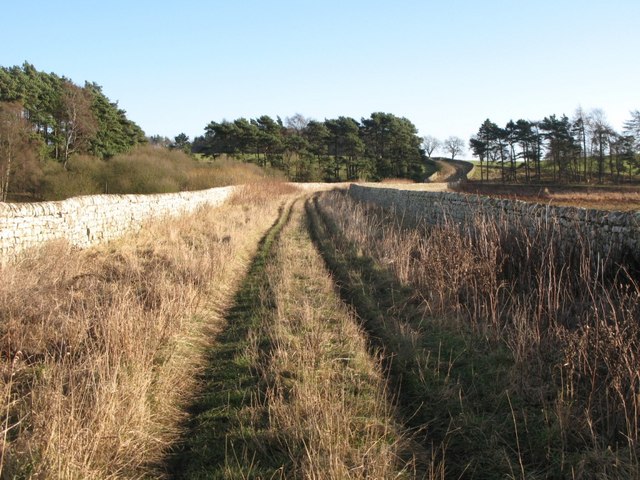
[
  {"x": 342, "y": 148},
  {"x": 582, "y": 149},
  {"x": 47, "y": 117}
]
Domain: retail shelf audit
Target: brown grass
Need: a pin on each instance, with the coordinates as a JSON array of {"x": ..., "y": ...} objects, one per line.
[
  {"x": 397, "y": 180},
  {"x": 260, "y": 192},
  {"x": 226, "y": 171},
  {"x": 599, "y": 198},
  {"x": 97, "y": 346},
  {"x": 569, "y": 322}
]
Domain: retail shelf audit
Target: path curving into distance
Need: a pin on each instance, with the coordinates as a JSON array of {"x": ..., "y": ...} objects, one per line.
[
  {"x": 293, "y": 387},
  {"x": 451, "y": 171}
]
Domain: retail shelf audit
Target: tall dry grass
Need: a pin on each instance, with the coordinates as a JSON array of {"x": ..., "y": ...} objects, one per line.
[
  {"x": 227, "y": 171},
  {"x": 568, "y": 318},
  {"x": 260, "y": 192},
  {"x": 99, "y": 348}
]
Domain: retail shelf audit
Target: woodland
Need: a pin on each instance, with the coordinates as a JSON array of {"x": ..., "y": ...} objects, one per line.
[{"x": 60, "y": 139}]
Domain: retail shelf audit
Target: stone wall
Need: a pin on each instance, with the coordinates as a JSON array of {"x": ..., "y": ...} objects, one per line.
[
  {"x": 610, "y": 234},
  {"x": 89, "y": 220}
]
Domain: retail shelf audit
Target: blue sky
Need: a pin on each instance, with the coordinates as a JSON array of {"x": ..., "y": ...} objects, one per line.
[{"x": 445, "y": 65}]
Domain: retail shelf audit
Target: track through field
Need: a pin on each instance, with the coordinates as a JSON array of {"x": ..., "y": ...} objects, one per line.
[{"x": 293, "y": 388}]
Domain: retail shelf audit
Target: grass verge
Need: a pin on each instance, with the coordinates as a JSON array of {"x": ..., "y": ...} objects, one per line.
[
  {"x": 98, "y": 348},
  {"x": 222, "y": 441},
  {"x": 503, "y": 350},
  {"x": 291, "y": 390}
]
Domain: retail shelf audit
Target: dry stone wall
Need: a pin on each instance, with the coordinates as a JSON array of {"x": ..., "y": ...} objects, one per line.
[
  {"x": 610, "y": 234},
  {"x": 89, "y": 220}
]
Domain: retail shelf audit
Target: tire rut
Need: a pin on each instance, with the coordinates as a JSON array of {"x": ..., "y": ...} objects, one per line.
[
  {"x": 230, "y": 385},
  {"x": 292, "y": 386}
]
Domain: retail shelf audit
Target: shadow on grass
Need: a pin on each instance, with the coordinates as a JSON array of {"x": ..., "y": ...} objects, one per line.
[
  {"x": 226, "y": 435},
  {"x": 452, "y": 388}
]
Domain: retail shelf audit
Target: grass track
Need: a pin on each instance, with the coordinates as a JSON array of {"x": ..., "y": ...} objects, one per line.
[
  {"x": 291, "y": 390},
  {"x": 216, "y": 442},
  {"x": 447, "y": 386},
  {"x": 328, "y": 400}
]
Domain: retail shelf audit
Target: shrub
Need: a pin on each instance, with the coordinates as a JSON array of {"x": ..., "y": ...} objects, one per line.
[
  {"x": 144, "y": 170},
  {"x": 80, "y": 179}
]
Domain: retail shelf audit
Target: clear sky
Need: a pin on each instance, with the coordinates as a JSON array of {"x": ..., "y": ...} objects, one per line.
[{"x": 444, "y": 64}]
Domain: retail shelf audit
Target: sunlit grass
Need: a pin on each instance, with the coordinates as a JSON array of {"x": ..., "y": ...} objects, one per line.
[
  {"x": 517, "y": 355},
  {"x": 100, "y": 347},
  {"x": 144, "y": 170}
]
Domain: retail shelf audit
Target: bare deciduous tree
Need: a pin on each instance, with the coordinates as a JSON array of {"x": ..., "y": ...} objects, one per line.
[
  {"x": 77, "y": 122},
  {"x": 14, "y": 141},
  {"x": 430, "y": 145},
  {"x": 601, "y": 136},
  {"x": 454, "y": 145},
  {"x": 297, "y": 123}
]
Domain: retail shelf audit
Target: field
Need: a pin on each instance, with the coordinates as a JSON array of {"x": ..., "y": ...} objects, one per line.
[
  {"x": 291, "y": 334},
  {"x": 621, "y": 198}
]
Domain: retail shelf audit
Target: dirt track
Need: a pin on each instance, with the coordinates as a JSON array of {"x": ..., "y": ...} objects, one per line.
[{"x": 451, "y": 170}]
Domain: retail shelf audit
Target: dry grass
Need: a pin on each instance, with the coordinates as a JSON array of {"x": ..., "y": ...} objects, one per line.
[
  {"x": 327, "y": 398},
  {"x": 622, "y": 201},
  {"x": 568, "y": 321},
  {"x": 599, "y": 198},
  {"x": 98, "y": 347},
  {"x": 226, "y": 171},
  {"x": 261, "y": 192},
  {"x": 397, "y": 180}
]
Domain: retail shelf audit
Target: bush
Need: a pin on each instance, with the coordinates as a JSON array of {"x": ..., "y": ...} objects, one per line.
[
  {"x": 145, "y": 170},
  {"x": 81, "y": 178},
  {"x": 227, "y": 171},
  {"x": 148, "y": 170}
]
